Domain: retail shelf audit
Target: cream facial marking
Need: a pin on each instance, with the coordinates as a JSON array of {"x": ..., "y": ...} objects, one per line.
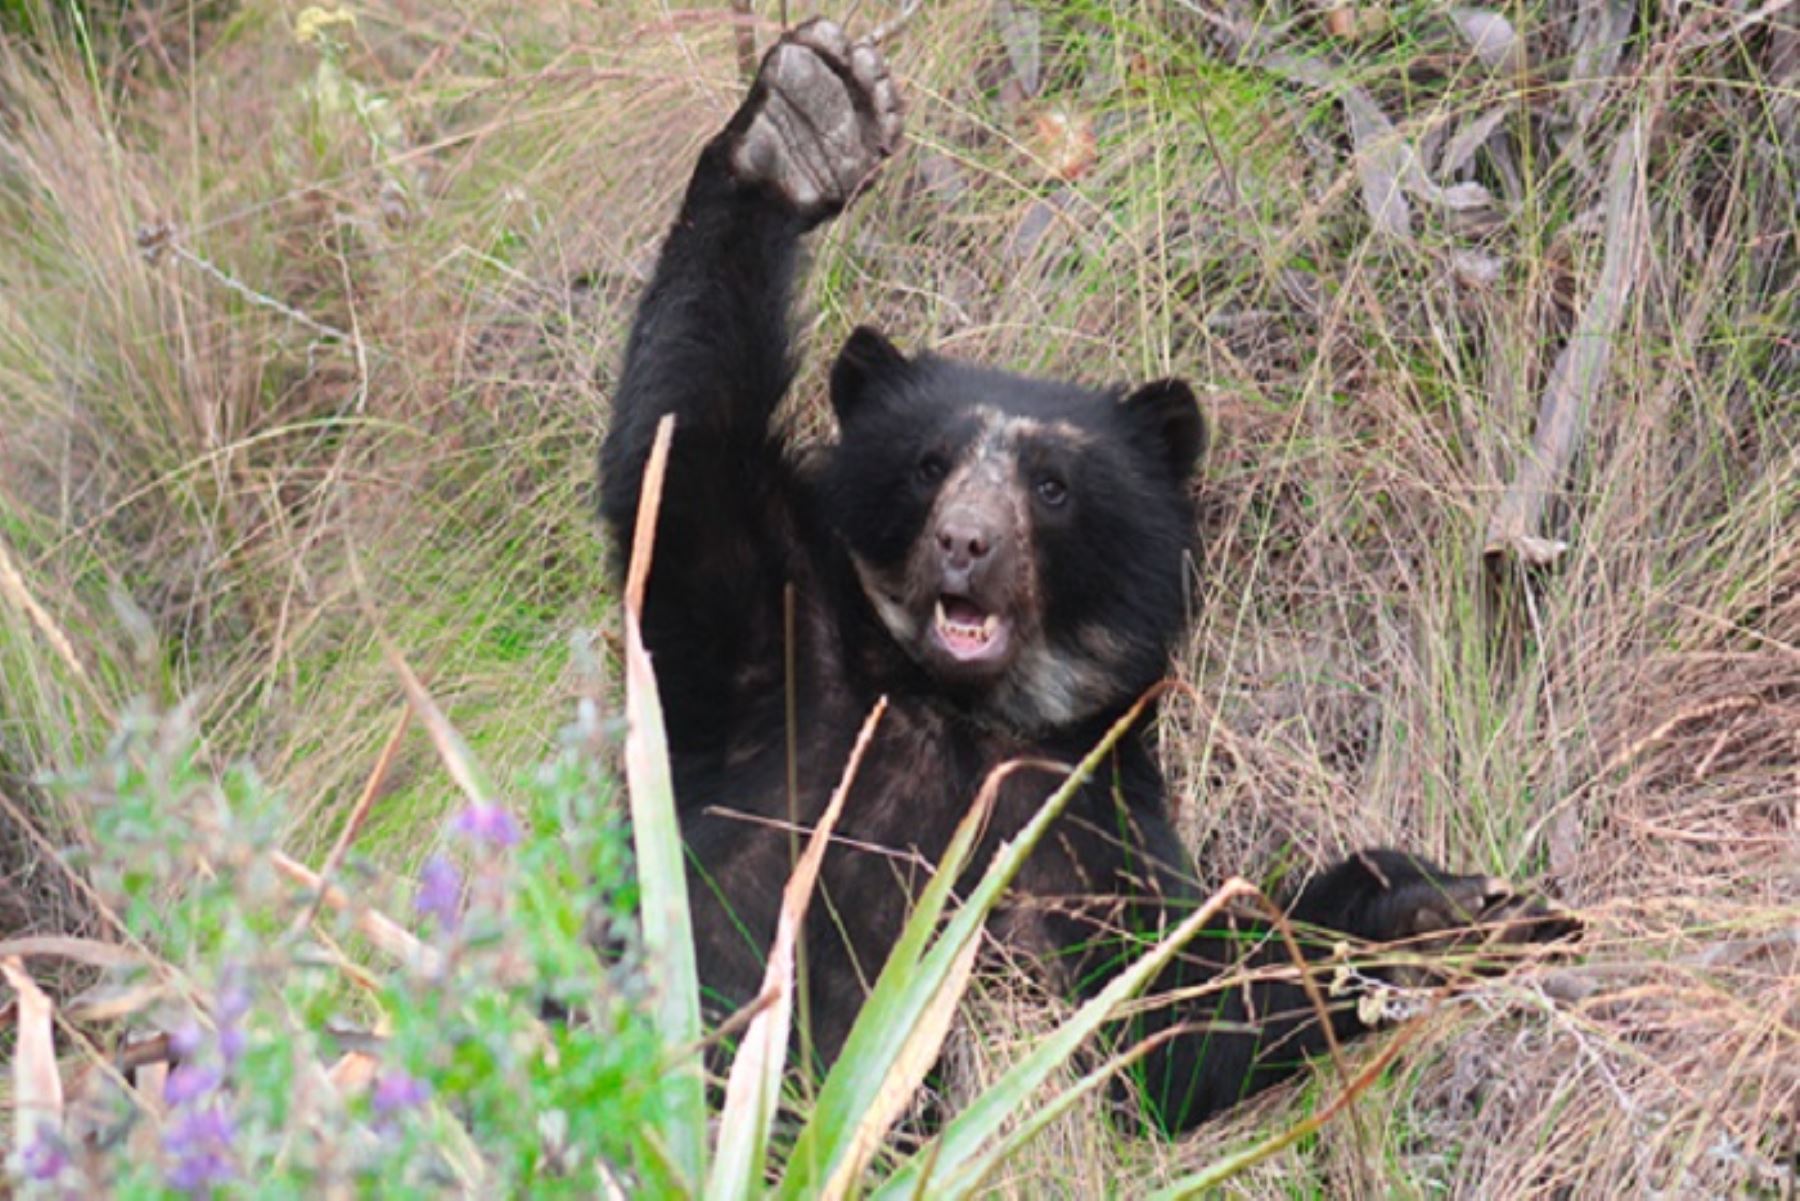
[{"x": 888, "y": 597}]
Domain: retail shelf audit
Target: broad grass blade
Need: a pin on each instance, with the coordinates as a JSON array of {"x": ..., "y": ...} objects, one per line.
[
  {"x": 923, "y": 1044},
  {"x": 656, "y": 834},
  {"x": 979, "y": 1169},
  {"x": 754, "y": 1089},
  {"x": 907, "y": 993},
  {"x": 1210, "y": 1177},
  {"x": 985, "y": 1115},
  {"x": 878, "y": 1038}
]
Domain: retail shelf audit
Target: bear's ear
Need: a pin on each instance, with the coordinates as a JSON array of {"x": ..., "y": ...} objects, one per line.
[
  {"x": 1168, "y": 412},
  {"x": 867, "y": 357}
]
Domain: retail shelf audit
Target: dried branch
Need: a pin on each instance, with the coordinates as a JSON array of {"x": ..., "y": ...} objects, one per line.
[
  {"x": 892, "y": 29},
  {"x": 744, "y": 22}
]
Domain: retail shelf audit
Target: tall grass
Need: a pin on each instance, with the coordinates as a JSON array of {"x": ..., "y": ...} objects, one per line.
[{"x": 267, "y": 301}]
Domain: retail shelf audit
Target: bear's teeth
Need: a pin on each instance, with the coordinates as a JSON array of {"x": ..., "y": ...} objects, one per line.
[{"x": 965, "y": 631}]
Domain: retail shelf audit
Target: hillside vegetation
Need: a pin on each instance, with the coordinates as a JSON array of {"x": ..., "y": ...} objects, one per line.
[{"x": 309, "y": 319}]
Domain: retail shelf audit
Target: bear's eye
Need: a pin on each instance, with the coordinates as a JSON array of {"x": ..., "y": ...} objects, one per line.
[
  {"x": 932, "y": 468},
  {"x": 1052, "y": 491}
]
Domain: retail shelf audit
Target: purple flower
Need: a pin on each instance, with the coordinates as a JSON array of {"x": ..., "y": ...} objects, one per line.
[
  {"x": 440, "y": 891},
  {"x": 231, "y": 1006},
  {"x": 396, "y": 1091},
  {"x": 232, "y": 1041},
  {"x": 491, "y": 824},
  {"x": 187, "y": 1082},
  {"x": 186, "y": 1042},
  {"x": 200, "y": 1140},
  {"x": 232, "y": 1003},
  {"x": 45, "y": 1157},
  {"x": 197, "y": 1174}
]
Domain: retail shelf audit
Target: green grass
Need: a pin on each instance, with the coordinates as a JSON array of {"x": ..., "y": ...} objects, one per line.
[{"x": 185, "y": 469}]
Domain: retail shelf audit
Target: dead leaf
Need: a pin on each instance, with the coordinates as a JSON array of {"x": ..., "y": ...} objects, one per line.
[
  {"x": 37, "y": 1094},
  {"x": 1381, "y": 159},
  {"x": 1492, "y": 38},
  {"x": 1064, "y": 141},
  {"x": 108, "y": 1002},
  {"x": 380, "y": 929},
  {"x": 1601, "y": 31},
  {"x": 353, "y": 1072},
  {"x": 1580, "y": 370},
  {"x": 1389, "y": 168},
  {"x": 1469, "y": 137},
  {"x": 1039, "y": 219},
  {"x": 1475, "y": 268},
  {"x": 1021, "y": 33},
  {"x": 90, "y": 951}
]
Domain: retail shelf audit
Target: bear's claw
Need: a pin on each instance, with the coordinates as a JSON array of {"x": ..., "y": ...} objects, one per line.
[{"x": 1474, "y": 914}]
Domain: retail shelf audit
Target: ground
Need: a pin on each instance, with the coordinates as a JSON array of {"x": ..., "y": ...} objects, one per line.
[{"x": 275, "y": 289}]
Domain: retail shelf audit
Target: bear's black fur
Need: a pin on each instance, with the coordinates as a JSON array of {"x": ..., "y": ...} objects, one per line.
[{"x": 1004, "y": 558}]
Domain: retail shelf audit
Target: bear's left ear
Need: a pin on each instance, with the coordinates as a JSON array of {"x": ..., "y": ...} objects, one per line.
[
  {"x": 1168, "y": 412},
  {"x": 867, "y": 357}
]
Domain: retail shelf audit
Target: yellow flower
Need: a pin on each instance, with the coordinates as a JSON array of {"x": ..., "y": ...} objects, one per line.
[{"x": 313, "y": 23}]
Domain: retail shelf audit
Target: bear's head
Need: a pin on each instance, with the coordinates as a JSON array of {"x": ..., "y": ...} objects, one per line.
[{"x": 1025, "y": 541}]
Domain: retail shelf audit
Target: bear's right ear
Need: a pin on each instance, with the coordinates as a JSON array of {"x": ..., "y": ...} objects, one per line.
[
  {"x": 867, "y": 358},
  {"x": 1170, "y": 413}
]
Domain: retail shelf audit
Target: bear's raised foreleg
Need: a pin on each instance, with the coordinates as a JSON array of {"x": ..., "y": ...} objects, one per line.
[{"x": 710, "y": 345}]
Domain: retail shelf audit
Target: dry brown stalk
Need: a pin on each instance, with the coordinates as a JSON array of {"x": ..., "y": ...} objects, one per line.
[
  {"x": 380, "y": 929},
  {"x": 364, "y": 803}
]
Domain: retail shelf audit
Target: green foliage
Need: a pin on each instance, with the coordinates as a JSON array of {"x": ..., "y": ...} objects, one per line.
[{"x": 469, "y": 1083}]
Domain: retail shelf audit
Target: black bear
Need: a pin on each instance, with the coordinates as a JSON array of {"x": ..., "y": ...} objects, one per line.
[{"x": 1003, "y": 557}]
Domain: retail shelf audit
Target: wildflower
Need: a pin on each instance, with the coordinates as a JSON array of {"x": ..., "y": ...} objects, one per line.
[
  {"x": 233, "y": 1002},
  {"x": 316, "y": 22},
  {"x": 232, "y": 1041},
  {"x": 45, "y": 1157},
  {"x": 231, "y": 1006},
  {"x": 440, "y": 891},
  {"x": 200, "y": 1140},
  {"x": 185, "y": 1043},
  {"x": 397, "y": 1091},
  {"x": 188, "y": 1082},
  {"x": 490, "y": 824}
]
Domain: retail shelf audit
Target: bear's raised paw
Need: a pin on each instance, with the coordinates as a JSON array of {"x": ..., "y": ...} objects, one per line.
[{"x": 819, "y": 120}]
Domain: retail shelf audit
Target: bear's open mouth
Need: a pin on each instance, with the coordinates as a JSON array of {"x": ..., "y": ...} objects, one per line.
[{"x": 968, "y": 632}]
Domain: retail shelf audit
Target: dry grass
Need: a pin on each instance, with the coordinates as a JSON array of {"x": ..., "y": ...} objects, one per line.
[{"x": 469, "y": 199}]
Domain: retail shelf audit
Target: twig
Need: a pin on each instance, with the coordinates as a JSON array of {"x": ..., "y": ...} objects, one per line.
[
  {"x": 371, "y": 789},
  {"x": 15, "y": 591},
  {"x": 745, "y": 32},
  {"x": 892, "y": 29},
  {"x": 380, "y": 929},
  {"x": 154, "y": 240}
]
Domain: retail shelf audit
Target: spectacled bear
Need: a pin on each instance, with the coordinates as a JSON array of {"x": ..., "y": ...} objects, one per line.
[{"x": 1003, "y": 557}]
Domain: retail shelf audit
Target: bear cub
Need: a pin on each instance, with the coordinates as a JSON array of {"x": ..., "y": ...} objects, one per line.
[{"x": 1004, "y": 558}]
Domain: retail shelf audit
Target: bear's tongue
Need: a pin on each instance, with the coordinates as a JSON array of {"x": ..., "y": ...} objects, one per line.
[{"x": 965, "y": 630}]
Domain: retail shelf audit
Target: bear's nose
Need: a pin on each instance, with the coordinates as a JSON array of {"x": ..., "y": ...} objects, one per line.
[{"x": 962, "y": 543}]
